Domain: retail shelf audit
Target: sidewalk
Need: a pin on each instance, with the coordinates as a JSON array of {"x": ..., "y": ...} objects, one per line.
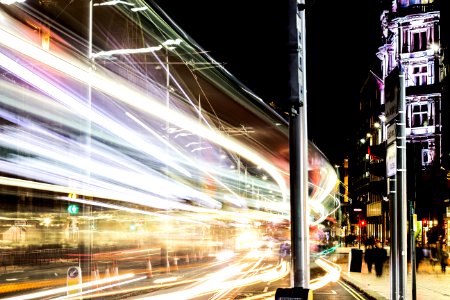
[{"x": 431, "y": 283}]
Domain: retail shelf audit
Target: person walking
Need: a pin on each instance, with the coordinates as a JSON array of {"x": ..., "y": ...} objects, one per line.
[
  {"x": 368, "y": 258},
  {"x": 284, "y": 252},
  {"x": 419, "y": 255},
  {"x": 443, "y": 257},
  {"x": 379, "y": 257}
]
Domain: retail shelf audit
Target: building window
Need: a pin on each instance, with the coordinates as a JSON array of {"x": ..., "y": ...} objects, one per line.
[
  {"x": 419, "y": 41},
  {"x": 406, "y": 3},
  {"x": 428, "y": 154},
  {"x": 419, "y": 114},
  {"x": 419, "y": 75},
  {"x": 427, "y": 157}
]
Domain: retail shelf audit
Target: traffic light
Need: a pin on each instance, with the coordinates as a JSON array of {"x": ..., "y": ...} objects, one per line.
[
  {"x": 362, "y": 223},
  {"x": 424, "y": 222},
  {"x": 73, "y": 209}
]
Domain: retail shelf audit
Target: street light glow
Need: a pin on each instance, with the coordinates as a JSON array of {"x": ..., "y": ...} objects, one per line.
[
  {"x": 9, "y": 2},
  {"x": 113, "y": 2}
]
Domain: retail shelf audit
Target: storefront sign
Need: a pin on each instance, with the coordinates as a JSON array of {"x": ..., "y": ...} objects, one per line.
[{"x": 391, "y": 160}]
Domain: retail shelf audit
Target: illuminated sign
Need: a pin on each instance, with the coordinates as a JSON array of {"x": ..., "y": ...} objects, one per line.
[
  {"x": 391, "y": 133},
  {"x": 391, "y": 160}
]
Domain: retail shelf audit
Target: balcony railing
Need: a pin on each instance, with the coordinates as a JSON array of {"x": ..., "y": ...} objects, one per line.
[
  {"x": 417, "y": 9},
  {"x": 418, "y": 131}
]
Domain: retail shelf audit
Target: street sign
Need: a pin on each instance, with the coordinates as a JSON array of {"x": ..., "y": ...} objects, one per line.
[
  {"x": 391, "y": 133},
  {"x": 392, "y": 95},
  {"x": 391, "y": 160},
  {"x": 74, "y": 280}
]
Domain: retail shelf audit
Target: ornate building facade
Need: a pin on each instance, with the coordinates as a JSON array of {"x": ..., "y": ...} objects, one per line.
[{"x": 414, "y": 43}]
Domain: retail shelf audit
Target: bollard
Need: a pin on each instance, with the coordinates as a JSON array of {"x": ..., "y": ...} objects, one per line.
[
  {"x": 94, "y": 275},
  {"x": 167, "y": 266},
  {"x": 107, "y": 274},
  {"x": 115, "y": 269},
  {"x": 97, "y": 272},
  {"x": 149, "y": 269},
  {"x": 175, "y": 263}
]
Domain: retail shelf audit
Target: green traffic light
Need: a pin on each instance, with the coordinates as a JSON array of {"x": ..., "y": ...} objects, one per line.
[{"x": 73, "y": 209}]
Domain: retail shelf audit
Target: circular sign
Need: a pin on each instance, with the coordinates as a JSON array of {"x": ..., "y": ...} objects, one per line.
[{"x": 73, "y": 272}]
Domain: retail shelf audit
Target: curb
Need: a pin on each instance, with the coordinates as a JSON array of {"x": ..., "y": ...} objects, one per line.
[{"x": 369, "y": 294}]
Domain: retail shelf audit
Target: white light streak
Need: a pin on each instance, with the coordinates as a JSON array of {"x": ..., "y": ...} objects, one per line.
[{"x": 69, "y": 288}]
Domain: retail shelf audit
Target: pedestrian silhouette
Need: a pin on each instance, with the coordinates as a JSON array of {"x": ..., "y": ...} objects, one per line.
[
  {"x": 285, "y": 251},
  {"x": 370, "y": 242},
  {"x": 368, "y": 258},
  {"x": 443, "y": 257},
  {"x": 419, "y": 256},
  {"x": 379, "y": 257}
]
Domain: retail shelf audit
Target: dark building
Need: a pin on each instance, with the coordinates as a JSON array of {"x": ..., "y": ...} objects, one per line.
[{"x": 368, "y": 184}]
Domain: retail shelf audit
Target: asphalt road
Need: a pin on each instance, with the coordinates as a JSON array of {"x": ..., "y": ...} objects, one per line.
[
  {"x": 259, "y": 290},
  {"x": 338, "y": 290}
]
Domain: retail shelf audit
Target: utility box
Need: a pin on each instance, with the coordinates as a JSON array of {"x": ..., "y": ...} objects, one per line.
[
  {"x": 356, "y": 257},
  {"x": 295, "y": 293}
]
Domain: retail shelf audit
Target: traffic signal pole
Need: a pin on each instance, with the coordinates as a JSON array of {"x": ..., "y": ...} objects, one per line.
[
  {"x": 298, "y": 156},
  {"x": 298, "y": 143}
]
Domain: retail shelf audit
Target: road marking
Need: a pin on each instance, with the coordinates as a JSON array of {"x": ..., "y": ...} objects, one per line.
[
  {"x": 351, "y": 290},
  {"x": 332, "y": 292}
]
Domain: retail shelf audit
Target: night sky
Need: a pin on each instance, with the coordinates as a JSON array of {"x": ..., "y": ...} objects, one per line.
[{"x": 249, "y": 37}]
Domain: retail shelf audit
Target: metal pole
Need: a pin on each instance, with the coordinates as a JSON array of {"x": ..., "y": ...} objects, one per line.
[
  {"x": 413, "y": 250},
  {"x": 87, "y": 240},
  {"x": 393, "y": 261},
  {"x": 401, "y": 190},
  {"x": 298, "y": 143},
  {"x": 360, "y": 233},
  {"x": 298, "y": 156},
  {"x": 166, "y": 263}
]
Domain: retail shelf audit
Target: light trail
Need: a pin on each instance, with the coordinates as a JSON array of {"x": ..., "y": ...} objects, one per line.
[
  {"x": 150, "y": 168},
  {"x": 70, "y": 288},
  {"x": 123, "y": 93}
]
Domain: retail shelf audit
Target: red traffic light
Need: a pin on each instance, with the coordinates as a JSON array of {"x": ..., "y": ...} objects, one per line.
[
  {"x": 362, "y": 223},
  {"x": 425, "y": 222}
]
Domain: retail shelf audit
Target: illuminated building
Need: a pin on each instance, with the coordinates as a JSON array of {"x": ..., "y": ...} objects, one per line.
[{"x": 414, "y": 37}]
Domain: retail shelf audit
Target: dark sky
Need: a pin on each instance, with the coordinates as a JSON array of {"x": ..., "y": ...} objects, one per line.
[{"x": 249, "y": 37}]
